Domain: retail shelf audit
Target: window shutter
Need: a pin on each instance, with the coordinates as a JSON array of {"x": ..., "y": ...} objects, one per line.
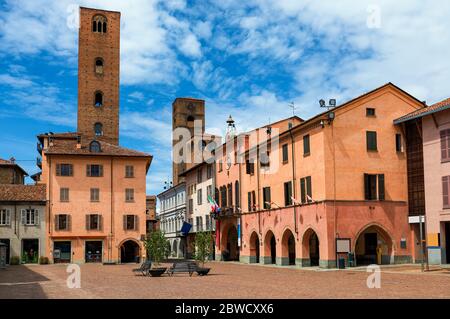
[
  {"x": 445, "y": 191},
  {"x": 308, "y": 188},
  {"x": 249, "y": 201},
  {"x": 88, "y": 170},
  {"x": 8, "y": 217},
  {"x": 69, "y": 222},
  {"x": 381, "y": 187},
  {"x": 136, "y": 219},
  {"x": 70, "y": 170},
  {"x": 23, "y": 218},
  {"x": 100, "y": 222},
  {"x": 88, "y": 222},
  {"x": 366, "y": 187},
  {"x": 100, "y": 170},
  {"x": 124, "y": 222},
  {"x": 56, "y": 222},
  {"x": 58, "y": 169},
  {"x": 36, "y": 217},
  {"x": 302, "y": 190}
]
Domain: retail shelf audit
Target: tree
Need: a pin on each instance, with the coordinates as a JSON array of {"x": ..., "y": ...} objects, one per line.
[
  {"x": 157, "y": 246},
  {"x": 203, "y": 246}
]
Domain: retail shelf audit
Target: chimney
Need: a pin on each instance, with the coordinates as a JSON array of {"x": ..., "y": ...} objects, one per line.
[
  {"x": 79, "y": 142},
  {"x": 12, "y": 160}
]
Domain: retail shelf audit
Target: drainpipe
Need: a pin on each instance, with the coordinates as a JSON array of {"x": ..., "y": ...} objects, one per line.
[
  {"x": 293, "y": 180},
  {"x": 111, "y": 233}
]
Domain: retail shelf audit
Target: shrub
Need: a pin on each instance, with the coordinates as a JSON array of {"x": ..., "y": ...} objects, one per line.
[
  {"x": 156, "y": 246},
  {"x": 203, "y": 246},
  {"x": 43, "y": 260},
  {"x": 14, "y": 260}
]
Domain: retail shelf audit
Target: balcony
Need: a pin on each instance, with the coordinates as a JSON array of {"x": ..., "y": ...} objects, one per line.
[
  {"x": 39, "y": 162},
  {"x": 228, "y": 212}
]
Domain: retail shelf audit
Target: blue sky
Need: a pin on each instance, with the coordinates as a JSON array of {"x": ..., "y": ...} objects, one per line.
[{"x": 249, "y": 59}]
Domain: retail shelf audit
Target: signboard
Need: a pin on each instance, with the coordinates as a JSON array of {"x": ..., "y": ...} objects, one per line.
[
  {"x": 343, "y": 245},
  {"x": 239, "y": 232},
  {"x": 57, "y": 253}
]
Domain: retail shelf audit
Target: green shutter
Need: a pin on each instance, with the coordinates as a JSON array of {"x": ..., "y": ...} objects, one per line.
[
  {"x": 302, "y": 190},
  {"x": 308, "y": 187},
  {"x": 366, "y": 187},
  {"x": 381, "y": 191}
]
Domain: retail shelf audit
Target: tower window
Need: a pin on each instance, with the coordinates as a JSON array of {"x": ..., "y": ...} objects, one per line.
[
  {"x": 94, "y": 147},
  {"x": 98, "y": 129},
  {"x": 99, "y": 24},
  {"x": 98, "y": 99},
  {"x": 99, "y": 66}
]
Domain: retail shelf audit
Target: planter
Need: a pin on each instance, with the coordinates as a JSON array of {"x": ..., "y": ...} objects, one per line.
[
  {"x": 203, "y": 271},
  {"x": 157, "y": 272}
]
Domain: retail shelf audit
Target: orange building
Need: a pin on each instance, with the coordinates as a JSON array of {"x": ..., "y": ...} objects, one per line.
[
  {"x": 96, "y": 189},
  {"x": 336, "y": 182}
]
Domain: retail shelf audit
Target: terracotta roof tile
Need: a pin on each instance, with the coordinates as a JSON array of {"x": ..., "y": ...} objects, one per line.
[
  {"x": 20, "y": 193},
  {"x": 440, "y": 106}
]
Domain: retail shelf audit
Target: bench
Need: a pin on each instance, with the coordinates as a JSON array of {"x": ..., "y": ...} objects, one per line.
[
  {"x": 144, "y": 268},
  {"x": 183, "y": 267}
]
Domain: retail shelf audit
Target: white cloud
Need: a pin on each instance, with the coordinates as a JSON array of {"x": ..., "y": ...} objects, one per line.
[{"x": 190, "y": 46}]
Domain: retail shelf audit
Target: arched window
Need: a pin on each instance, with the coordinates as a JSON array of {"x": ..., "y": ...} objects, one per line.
[
  {"x": 99, "y": 24},
  {"x": 94, "y": 147},
  {"x": 99, "y": 65},
  {"x": 98, "y": 129},
  {"x": 98, "y": 99}
]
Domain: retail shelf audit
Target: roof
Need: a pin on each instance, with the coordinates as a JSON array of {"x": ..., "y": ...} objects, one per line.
[
  {"x": 4, "y": 162},
  {"x": 427, "y": 110},
  {"x": 23, "y": 193},
  {"x": 66, "y": 144}
]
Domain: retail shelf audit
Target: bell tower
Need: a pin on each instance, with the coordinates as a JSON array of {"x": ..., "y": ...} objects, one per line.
[
  {"x": 98, "y": 74},
  {"x": 184, "y": 112}
]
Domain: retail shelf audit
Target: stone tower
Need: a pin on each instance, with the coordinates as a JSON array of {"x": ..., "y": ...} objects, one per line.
[
  {"x": 185, "y": 111},
  {"x": 98, "y": 74}
]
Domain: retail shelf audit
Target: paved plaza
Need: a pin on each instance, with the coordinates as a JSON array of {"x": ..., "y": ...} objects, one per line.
[{"x": 226, "y": 280}]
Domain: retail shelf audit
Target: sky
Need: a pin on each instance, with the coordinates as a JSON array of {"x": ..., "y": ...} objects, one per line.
[{"x": 249, "y": 59}]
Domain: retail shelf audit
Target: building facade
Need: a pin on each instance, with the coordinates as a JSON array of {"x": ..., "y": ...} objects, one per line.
[
  {"x": 340, "y": 175},
  {"x": 151, "y": 221},
  {"x": 171, "y": 216},
  {"x": 429, "y": 135},
  {"x": 11, "y": 173}
]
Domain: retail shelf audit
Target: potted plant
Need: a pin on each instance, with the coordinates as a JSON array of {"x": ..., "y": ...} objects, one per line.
[
  {"x": 203, "y": 249},
  {"x": 156, "y": 246}
]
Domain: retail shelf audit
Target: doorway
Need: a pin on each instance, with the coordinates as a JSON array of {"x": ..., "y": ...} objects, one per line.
[
  {"x": 93, "y": 251},
  {"x": 447, "y": 243},
  {"x": 129, "y": 252},
  {"x": 30, "y": 251},
  {"x": 7, "y": 242},
  {"x": 314, "y": 249},
  {"x": 62, "y": 252}
]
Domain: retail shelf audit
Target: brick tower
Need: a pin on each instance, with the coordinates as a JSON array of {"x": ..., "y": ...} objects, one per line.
[
  {"x": 98, "y": 74},
  {"x": 185, "y": 111}
]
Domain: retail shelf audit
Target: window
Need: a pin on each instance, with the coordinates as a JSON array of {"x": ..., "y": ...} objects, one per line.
[
  {"x": 5, "y": 217},
  {"x": 209, "y": 171},
  {"x": 287, "y": 193},
  {"x": 98, "y": 99},
  {"x": 251, "y": 201},
  {"x": 265, "y": 159},
  {"x": 93, "y": 222},
  {"x": 64, "y": 170},
  {"x": 285, "y": 153},
  {"x": 207, "y": 222},
  {"x": 249, "y": 167},
  {"x": 199, "y": 175},
  {"x": 98, "y": 129},
  {"x": 95, "y": 194},
  {"x": 220, "y": 166},
  {"x": 99, "y": 24},
  {"x": 223, "y": 196},
  {"x": 398, "y": 142},
  {"x": 191, "y": 206},
  {"x": 199, "y": 196},
  {"x": 130, "y": 222},
  {"x": 64, "y": 194},
  {"x": 371, "y": 139},
  {"x": 445, "y": 191},
  {"x": 237, "y": 200},
  {"x": 209, "y": 191},
  {"x": 129, "y": 171},
  {"x": 62, "y": 222},
  {"x": 94, "y": 147},
  {"x": 445, "y": 145},
  {"x": 371, "y": 192},
  {"x": 370, "y": 111},
  {"x": 129, "y": 195},
  {"x": 30, "y": 217},
  {"x": 266, "y": 198},
  {"x": 230, "y": 195},
  {"x": 99, "y": 66},
  {"x": 305, "y": 190},
  {"x": 94, "y": 170},
  {"x": 306, "y": 146}
]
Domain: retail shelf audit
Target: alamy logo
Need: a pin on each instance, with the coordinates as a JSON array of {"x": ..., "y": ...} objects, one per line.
[
  {"x": 74, "y": 279},
  {"x": 374, "y": 279}
]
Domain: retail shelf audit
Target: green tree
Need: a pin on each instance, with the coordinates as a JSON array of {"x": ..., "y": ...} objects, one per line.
[
  {"x": 157, "y": 246},
  {"x": 203, "y": 246}
]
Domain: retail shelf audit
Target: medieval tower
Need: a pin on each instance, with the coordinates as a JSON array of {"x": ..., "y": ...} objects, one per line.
[{"x": 98, "y": 74}]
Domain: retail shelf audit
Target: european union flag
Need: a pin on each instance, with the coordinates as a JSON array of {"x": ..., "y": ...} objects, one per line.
[{"x": 185, "y": 228}]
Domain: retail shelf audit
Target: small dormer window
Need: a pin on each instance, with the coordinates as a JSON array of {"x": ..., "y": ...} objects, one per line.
[
  {"x": 99, "y": 24},
  {"x": 94, "y": 147}
]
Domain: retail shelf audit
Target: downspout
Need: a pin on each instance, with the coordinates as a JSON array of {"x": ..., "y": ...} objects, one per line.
[
  {"x": 334, "y": 191},
  {"x": 111, "y": 233},
  {"x": 293, "y": 180},
  {"x": 257, "y": 186}
]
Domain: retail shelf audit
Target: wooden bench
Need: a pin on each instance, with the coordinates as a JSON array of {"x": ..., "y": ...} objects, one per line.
[
  {"x": 183, "y": 267},
  {"x": 144, "y": 268}
]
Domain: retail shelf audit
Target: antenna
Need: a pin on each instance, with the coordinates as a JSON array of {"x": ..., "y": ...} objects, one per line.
[{"x": 292, "y": 106}]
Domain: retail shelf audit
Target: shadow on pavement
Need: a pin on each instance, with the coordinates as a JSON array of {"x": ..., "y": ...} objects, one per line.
[{"x": 19, "y": 282}]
